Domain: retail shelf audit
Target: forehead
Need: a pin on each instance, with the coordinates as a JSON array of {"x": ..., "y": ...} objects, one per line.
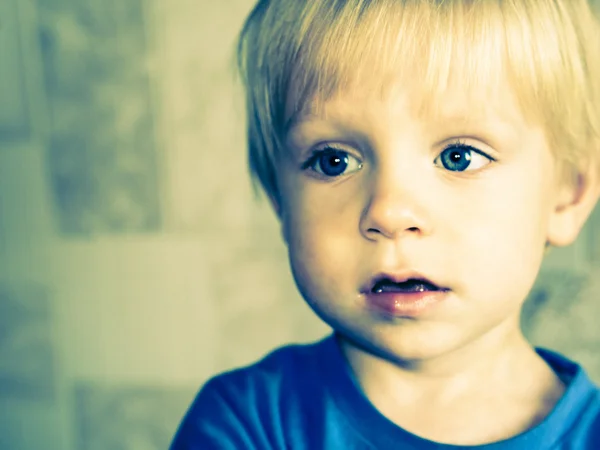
[
  {"x": 492, "y": 106},
  {"x": 456, "y": 62}
]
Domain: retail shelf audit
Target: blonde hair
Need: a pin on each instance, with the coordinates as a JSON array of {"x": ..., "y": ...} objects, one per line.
[{"x": 292, "y": 53}]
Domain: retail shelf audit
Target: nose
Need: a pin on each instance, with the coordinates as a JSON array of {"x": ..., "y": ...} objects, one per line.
[{"x": 396, "y": 208}]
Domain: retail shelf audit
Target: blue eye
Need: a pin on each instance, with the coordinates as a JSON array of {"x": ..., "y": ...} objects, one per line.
[
  {"x": 460, "y": 157},
  {"x": 332, "y": 162}
]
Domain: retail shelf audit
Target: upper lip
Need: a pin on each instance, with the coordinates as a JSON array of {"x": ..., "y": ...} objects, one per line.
[{"x": 397, "y": 277}]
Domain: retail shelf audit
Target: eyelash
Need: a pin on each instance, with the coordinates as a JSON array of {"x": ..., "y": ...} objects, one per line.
[
  {"x": 317, "y": 153},
  {"x": 461, "y": 144},
  {"x": 311, "y": 162}
]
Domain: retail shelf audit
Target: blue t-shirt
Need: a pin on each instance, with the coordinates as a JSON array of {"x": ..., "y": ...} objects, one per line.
[{"x": 304, "y": 397}]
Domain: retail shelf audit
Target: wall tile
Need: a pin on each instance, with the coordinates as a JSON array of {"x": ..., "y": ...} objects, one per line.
[
  {"x": 27, "y": 347},
  {"x": 102, "y": 152},
  {"x": 121, "y": 417}
]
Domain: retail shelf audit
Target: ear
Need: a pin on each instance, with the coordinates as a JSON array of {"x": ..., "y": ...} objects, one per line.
[{"x": 575, "y": 202}]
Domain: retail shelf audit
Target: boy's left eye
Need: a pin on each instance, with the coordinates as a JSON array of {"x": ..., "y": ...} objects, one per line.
[
  {"x": 332, "y": 162},
  {"x": 459, "y": 157}
]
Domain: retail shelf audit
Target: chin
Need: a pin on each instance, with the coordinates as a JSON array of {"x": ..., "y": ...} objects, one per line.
[{"x": 403, "y": 343}]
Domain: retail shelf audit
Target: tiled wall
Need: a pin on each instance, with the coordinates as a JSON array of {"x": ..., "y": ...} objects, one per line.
[{"x": 134, "y": 262}]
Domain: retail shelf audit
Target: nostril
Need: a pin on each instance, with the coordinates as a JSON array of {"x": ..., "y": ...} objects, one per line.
[{"x": 381, "y": 232}]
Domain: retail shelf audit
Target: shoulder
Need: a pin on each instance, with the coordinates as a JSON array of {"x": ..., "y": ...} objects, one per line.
[
  {"x": 253, "y": 384},
  {"x": 584, "y": 434},
  {"x": 242, "y": 406},
  {"x": 285, "y": 366},
  {"x": 576, "y": 418},
  {"x": 587, "y": 419}
]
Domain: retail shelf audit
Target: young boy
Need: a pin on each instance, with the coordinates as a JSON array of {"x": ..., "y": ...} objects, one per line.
[{"x": 420, "y": 155}]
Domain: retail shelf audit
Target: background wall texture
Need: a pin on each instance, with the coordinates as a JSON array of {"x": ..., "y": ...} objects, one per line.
[{"x": 134, "y": 261}]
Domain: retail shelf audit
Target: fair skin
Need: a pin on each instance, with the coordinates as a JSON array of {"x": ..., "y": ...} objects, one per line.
[{"x": 480, "y": 231}]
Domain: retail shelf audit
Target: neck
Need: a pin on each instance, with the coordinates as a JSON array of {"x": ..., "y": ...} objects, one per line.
[{"x": 500, "y": 360}]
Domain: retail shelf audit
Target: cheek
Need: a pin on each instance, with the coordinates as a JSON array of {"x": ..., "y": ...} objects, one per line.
[
  {"x": 504, "y": 237},
  {"x": 322, "y": 236},
  {"x": 511, "y": 207},
  {"x": 319, "y": 239},
  {"x": 320, "y": 269},
  {"x": 319, "y": 216}
]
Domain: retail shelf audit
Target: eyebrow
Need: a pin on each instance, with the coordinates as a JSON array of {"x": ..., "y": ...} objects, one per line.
[
  {"x": 302, "y": 115},
  {"x": 486, "y": 120},
  {"x": 309, "y": 119}
]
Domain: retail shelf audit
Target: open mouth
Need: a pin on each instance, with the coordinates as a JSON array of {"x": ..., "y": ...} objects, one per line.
[
  {"x": 387, "y": 285},
  {"x": 407, "y": 294}
]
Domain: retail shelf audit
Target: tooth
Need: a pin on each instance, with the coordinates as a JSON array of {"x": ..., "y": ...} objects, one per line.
[{"x": 415, "y": 287}]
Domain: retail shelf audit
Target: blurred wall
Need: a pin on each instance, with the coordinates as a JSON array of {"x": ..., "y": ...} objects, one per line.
[{"x": 134, "y": 261}]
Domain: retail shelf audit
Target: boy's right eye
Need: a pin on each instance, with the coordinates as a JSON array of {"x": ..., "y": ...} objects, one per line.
[{"x": 332, "y": 162}]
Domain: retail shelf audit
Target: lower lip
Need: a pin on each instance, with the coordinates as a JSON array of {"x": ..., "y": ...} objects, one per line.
[{"x": 408, "y": 304}]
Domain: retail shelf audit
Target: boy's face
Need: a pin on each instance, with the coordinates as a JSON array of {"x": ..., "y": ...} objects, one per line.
[{"x": 465, "y": 197}]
